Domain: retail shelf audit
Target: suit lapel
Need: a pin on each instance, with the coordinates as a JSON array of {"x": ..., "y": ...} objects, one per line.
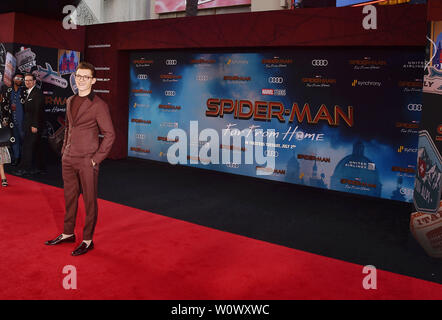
[
  {"x": 29, "y": 96},
  {"x": 82, "y": 109}
]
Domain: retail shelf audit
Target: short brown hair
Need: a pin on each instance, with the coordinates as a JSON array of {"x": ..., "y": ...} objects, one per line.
[
  {"x": 28, "y": 74},
  {"x": 88, "y": 66}
]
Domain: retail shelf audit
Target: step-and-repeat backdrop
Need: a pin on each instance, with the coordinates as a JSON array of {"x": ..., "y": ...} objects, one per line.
[
  {"x": 339, "y": 119},
  {"x": 54, "y": 70}
]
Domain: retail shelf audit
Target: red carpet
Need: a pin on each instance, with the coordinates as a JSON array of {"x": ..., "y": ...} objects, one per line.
[{"x": 142, "y": 255}]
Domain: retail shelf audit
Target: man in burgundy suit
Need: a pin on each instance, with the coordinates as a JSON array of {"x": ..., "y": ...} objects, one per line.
[{"x": 86, "y": 116}]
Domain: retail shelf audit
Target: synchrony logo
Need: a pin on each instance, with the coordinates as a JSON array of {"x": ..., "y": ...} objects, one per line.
[
  {"x": 363, "y": 83},
  {"x": 406, "y": 150}
]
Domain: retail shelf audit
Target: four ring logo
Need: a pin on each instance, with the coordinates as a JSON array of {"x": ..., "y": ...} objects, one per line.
[
  {"x": 276, "y": 80},
  {"x": 233, "y": 165},
  {"x": 202, "y": 77},
  {"x": 319, "y": 63},
  {"x": 414, "y": 107},
  {"x": 171, "y": 62},
  {"x": 169, "y": 93},
  {"x": 272, "y": 153},
  {"x": 140, "y": 136},
  {"x": 407, "y": 191},
  {"x": 142, "y": 76}
]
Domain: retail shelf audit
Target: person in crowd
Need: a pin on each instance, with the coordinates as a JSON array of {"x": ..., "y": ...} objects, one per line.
[
  {"x": 33, "y": 125},
  {"x": 5, "y": 121},
  {"x": 87, "y": 115},
  {"x": 15, "y": 98}
]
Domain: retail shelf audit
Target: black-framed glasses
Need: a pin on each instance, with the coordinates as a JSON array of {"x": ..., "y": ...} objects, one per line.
[{"x": 79, "y": 77}]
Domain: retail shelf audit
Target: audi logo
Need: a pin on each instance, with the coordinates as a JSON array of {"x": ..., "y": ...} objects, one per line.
[
  {"x": 171, "y": 62},
  {"x": 271, "y": 153},
  {"x": 319, "y": 63},
  {"x": 142, "y": 76},
  {"x": 276, "y": 80},
  {"x": 169, "y": 93},
  {"x": 233, "y": 165},
  {"x": 414, "y": 107},
  {"x": 140, "y": 136},
  {"x": 202, "y": 78}
]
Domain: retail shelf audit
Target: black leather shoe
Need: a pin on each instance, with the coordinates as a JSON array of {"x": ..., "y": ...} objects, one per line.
[
  {"x": 59, "y": 240},
  {"x": 83, "y": 248}
]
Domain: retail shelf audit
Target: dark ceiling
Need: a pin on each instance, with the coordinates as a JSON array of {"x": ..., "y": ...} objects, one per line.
[{"x": 52, "y": 9}]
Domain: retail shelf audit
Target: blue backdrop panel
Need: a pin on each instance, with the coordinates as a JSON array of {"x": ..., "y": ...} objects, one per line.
[{"x": 364, "y": 103}]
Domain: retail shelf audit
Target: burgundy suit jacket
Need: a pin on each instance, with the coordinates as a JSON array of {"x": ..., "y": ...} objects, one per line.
[{"x": 81, "y": 134}]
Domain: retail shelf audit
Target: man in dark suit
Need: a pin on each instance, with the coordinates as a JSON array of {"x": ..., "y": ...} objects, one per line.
[
  {"x": 33, "y": 124},
  {"x": 87, "y": 115}
]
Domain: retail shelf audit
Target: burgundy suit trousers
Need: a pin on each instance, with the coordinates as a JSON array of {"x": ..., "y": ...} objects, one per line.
[{"x": 79, "y": 176}]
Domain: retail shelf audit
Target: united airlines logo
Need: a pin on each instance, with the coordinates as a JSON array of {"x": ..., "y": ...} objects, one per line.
[
  {"x": 319, "y": 63},
  {"x": 170, "y": 93},
  {"x": 171, "y": 62},
  {"x": 276, "y": 79}
]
